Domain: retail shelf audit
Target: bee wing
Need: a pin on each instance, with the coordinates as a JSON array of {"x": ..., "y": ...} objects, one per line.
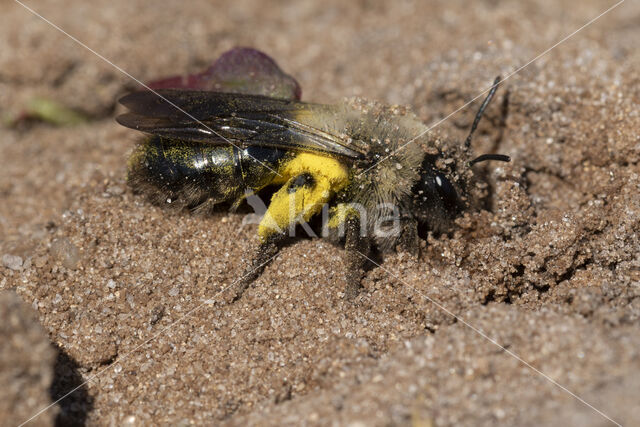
[{"x": 240, "y": 119}]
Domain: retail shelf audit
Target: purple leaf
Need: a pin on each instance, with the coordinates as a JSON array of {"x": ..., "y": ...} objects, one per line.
[{"x": 239, "y": 70}]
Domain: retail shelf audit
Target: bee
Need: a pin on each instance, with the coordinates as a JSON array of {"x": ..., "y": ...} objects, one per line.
[{"x": 355, "y": 161}]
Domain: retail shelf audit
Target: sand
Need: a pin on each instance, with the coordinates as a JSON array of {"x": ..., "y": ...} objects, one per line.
[{"x": 532, "y": 298}]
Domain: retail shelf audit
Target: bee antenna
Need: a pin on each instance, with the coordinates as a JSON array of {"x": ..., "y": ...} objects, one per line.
[
  {"x": 485, "y": 157},
  {"x": 485, "y": 103}
]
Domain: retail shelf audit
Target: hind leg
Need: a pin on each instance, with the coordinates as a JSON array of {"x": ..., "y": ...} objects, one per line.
[
  {"x": 357, "y": 249},
  {"x": 299, "y": 199},
  {"x": 409, "y": 240},
  {"x": 267, "y": 250}
]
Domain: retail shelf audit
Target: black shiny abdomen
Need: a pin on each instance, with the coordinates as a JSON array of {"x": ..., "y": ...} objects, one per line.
[{"x": 191, "y": 174}]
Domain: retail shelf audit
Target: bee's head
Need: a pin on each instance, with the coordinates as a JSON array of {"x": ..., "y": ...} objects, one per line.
[{"x": 437, "y": 200}]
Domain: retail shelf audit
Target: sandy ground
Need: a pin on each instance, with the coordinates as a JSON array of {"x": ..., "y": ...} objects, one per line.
[{"x": 549, "y": 270}]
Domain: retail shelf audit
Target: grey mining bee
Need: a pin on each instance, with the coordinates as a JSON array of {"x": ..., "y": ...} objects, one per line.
[{"x": 240, "y": 128}]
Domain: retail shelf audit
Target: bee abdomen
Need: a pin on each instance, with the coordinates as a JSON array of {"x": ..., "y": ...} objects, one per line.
[{"x": 187, "y": 174}]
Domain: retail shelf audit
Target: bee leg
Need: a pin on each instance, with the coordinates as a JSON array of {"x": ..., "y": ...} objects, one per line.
[
  {"x": 409, "y": 241},
  {"x": 357, "y": 249},
  {"x": 262, "y": 257}
]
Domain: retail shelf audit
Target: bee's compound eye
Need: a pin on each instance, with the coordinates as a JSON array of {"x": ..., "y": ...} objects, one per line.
[{"x": 446, "y": 191}]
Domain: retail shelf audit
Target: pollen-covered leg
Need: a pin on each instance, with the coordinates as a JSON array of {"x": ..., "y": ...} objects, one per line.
[
  {"x": 309, "y": 181},
  {"x": 297, "y": 201}
]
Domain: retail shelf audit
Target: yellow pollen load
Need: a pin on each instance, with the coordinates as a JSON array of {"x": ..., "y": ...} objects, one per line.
[{"x": 290, "y": 207}]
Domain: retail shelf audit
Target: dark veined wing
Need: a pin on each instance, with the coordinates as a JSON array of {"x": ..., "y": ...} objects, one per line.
[{"x": 240, "y": 119}]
